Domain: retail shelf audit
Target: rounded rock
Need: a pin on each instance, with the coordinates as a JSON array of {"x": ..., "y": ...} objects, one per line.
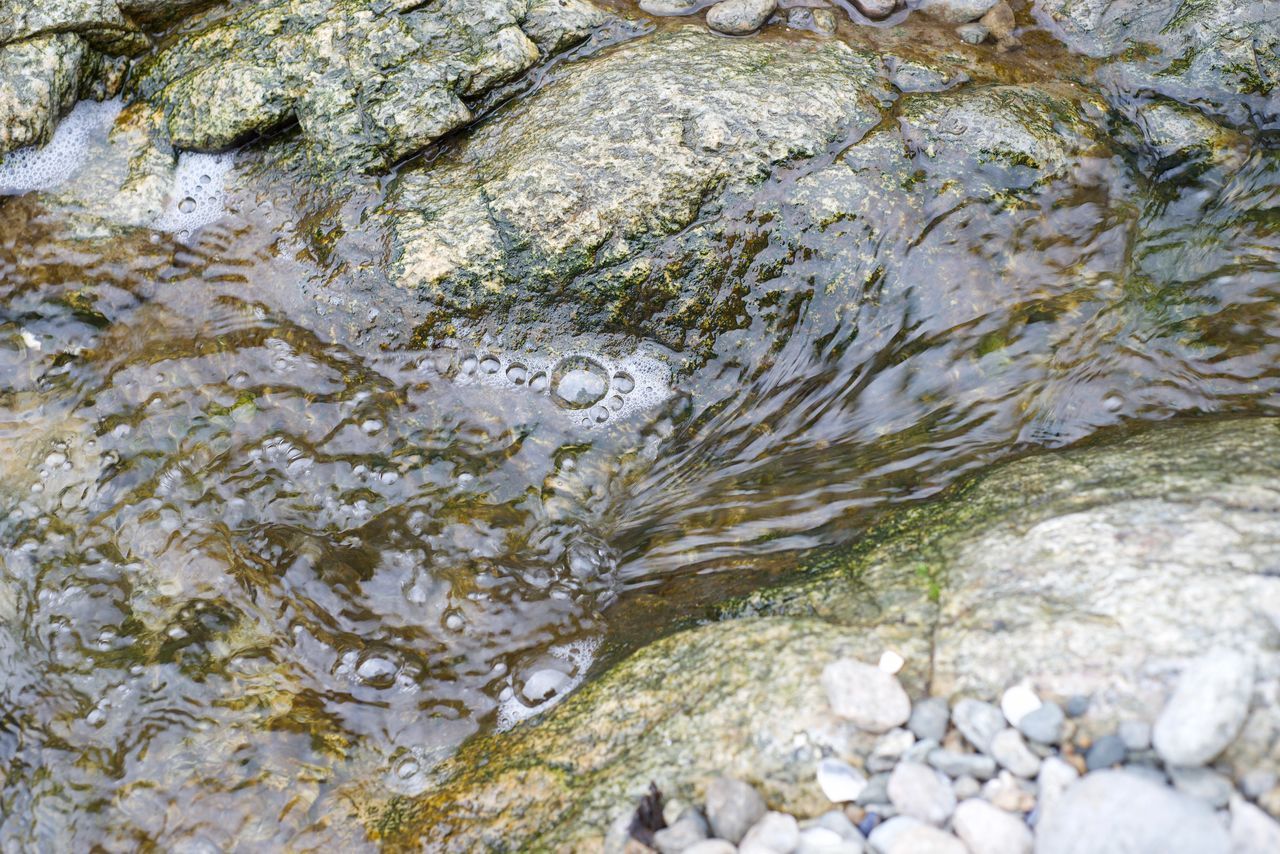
[
  {"x": 839, "y": 781},
  {"x": 1113, "y": 812},
  {"x": 732, "y": 808},
  {"x": 927, "y": 840},
  {"x": 774, "y": 833},
  {"x": 872, "y": 699},
  {"x": 711, "y": 846},
  {"x": 1045, "y": 725},
  {"x": 921, "y": 792},
  {"x": 1105, "y": 752},
  {"x": 990, "y": 830},
  {"x": 929, "y": 719},
  {"x": 1012, "y": 753},
  {"x": 978, "y": 722},
  {"x": 1207, "y": 709},
  {"x": 739, "y": 17}
]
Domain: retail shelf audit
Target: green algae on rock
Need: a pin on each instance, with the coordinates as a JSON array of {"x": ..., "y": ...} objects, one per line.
[
  {"x": 1044, "y": 568},
  {"x": 369, "y": 83}
]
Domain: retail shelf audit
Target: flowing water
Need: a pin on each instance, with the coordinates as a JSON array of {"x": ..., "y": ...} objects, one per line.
[{"x": 247, "y": 563}]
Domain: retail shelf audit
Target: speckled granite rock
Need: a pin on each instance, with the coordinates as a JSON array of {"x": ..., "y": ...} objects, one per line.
[{"x": 40, "y": 80}]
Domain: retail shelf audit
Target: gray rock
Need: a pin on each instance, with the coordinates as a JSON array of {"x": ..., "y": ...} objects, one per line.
[
  {"x": 712, "y": 846},
  {"x": 864, "y": 694},
  {"x": 1012, "y": 753},
  {"x": 739, "y": 17},
  {"x": 684, "y": 833},
  {"x": 919, "y": 752},
  {"x": 999, "y": 20},
  {"x": 966, "y": 787},
  {"x": 733, "y": 807},
  {"x": 1136, "y": 735},
  {"x": 1105, "y": 752},
  {"x": 837, "y": 822},
  {"x": 820, "y": 840},
  {"x": 986, "y": 829},
  {"x": 1112, "y": 812},
  {"x": 667, "y": 7},
  {"x": 1055, "y": 777},
  {"x": 955, "y": 764},
  {"x": 40, "y": 80},
  {"x": 886, "y": 834},
  {"x": 876, "y": 792},
  {"x": 929, "y": 718},
  {"x": 876, "y": 9},
  {"x": 1252, "y": 830},
  {"x": 889, "y": 749},
  {"x": 1207, "y": 708},
  {"x": 774, "y": 833},
  {"x": 978, "y": 722},
  {"x": 1203, "y": 783},
  {"x": 820, "y": 21},
  {"x": 972, "y": 33},
  {"x": 1045, "y": 725},
  {"x": 1257, "y": 782},
  {"x": 1076, "y": 706},
  {"x": 954, "y": 11},
  {"x": 921, "y": 792}
]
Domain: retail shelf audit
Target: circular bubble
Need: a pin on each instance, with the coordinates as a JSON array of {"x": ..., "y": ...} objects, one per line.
[
  {"x": 187, "y": 205},
  {"x": 544, "y": 684},
  {"x": 469, "y": 364},
  {"x": 579, "y": 383},
  {"x": 623, "y": 382},
  {"x": 490, "y": 365},
  {"x": 1113, "y": 402},
  {"x": 517, "y": 374},
  {"x": 377, "y": 671},
  {"x": 538, "y": 382},
  {"x": 600, "y": 415}
]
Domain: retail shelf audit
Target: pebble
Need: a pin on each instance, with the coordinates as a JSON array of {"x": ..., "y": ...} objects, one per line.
[
  {"x": 972, "y": 33},
  {"x": 1009, "y": 793},
  {"x": 1105, "y": 752},
  {"x": 891, "y": 662},
  {"x": 820, "y": 840},
  {"x": 1018, "y": 702},
  {"x": 1077, "y": 706},
  {"x": 1009, "y": 749},
  {"x": 966, "y": 787},
  {"x": 820, "y": 21},
  {"x": 687, "y": 831},
  {"x": 1055, "y": 777},
  {"x": 739, "y": 17},
  {"x": 955, "y": 764},
  {"x": 872, "y": 699},
  {"x": 1204, "y": 783},
  {"x": 1207, "y": 709},
  {"x": 999, "y": 20},
  {"x": 921, "y": 792},
  {"x": 885, "y": 835},
  {"x": 929, "y": 719},
  {"x": 877, "y": 790},
  {"x": 876, "y": 9},
  {"x": 840, "y": 781},
  {"x": 889, "y": 749},
  {"x": 1257, "y": 782},
  {"x": 1252, "y": 830},
  {"x": 927, "y": 840},
  {"x": 1116, "y": 811},
  {"x": 711, "y": 846},
  {"x": 732, "y": 808},
  {"x": 954, "y": 11},
  {"x": 836, "y": 822},
  {"x": 1136, "y": 735},
  {"x": 666, "y": 7},
  {"x": 919, "y": 752},
  {"x": 978, "y": 722},
  {"x": 775, "y": 833},
  {"x": 1045, "y": 725},
  {"x": 986, "y": 829}
]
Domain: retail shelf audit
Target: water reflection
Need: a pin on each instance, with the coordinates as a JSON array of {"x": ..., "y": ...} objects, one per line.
[{"x": 247, "y": 562}]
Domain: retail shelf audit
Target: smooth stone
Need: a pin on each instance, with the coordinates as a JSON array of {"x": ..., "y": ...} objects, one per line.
[
  {"x": 1136, "y": 735},
  {"x": 1258, "y": 782},
  {"x": 921, "y": 792},
  {"x": 966, "y": 787},
  {"x": 885, "y": 834},
  {"x": 1010, "y": 793},
  {"x": 820, "y": 840},
  {"x": 876, "y": 9},
  {"x": 978, "y": 722},
  {"x": 929, "y": 719},
  {"x": 889, "y": 749},
  {"x": 990, "y": 830},
  {"x": 955, "y": 764},
  {"x": 877, "y": 790},
  {"x": 837, "y": 822},
  {"x": 872, "y": 699},
  {"x": 820, "y": 21},
  {"x": 1045, "y": 725},
  {"x": 1105, "y": 752},
  {"x": 999, "y": 20},
  {"x": 840, "y": 781},
  {"x": 1018, "y": 702},
  {"x": 1055, "y": 777},
  {"x": 1204, "y": 783},
  {"x": 1113, "y": 812},
  {"x": 732, "y": 808},
  {"x": 927, "y": 840},
  {"x": 972, "y": 33},
  {"x": 712, "y": 846},
  {"x": 666, "y": 7},
  {"x": 954, "y": 11},
  {"x": 686, "y": 832},
  {"x": 739, "y": 17},
  {"x": 1252, "y": 830},
  {"x": 1077, "y": 705},
  {"x": 1011, "y": 751},
  {"x": 775, "y": 833},
  {"x": 1207, "y": 709}
]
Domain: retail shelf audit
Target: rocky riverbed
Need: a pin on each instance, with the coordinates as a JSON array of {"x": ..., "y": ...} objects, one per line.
[{"x": 519, "y": 424}]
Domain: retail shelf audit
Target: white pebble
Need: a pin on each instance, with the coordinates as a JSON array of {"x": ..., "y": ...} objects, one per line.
[
  {"x": 891, "y": 662},
  {"x": 989, "y": 830},
  {"x": 839, "y": 781},
  {"x": 1018, "y": 702}
]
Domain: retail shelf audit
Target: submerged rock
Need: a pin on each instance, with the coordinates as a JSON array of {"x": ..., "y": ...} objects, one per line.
[{"x": 41, "y": 78}]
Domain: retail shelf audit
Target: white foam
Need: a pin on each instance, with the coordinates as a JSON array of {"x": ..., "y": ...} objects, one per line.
[
  {"x": 580, "y": 654},
  {"x": 46, "y": 167},
  {"x": 198, "y": 195},
  {"x": 649, "y": 379}
]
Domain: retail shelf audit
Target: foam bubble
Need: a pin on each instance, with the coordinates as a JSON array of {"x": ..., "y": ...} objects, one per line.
[
  {"x": 199, "y": 192},
  {"x": 46, "y": 167},
  {"x": 580, "y": 654},
  {"x": 618, "y": 387}
]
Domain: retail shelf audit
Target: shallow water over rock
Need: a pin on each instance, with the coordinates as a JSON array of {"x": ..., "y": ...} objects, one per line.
[{"x": 279, "y": 514}]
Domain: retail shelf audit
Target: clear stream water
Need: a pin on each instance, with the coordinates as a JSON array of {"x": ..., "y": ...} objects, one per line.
[{"x": 245, "y": 565}]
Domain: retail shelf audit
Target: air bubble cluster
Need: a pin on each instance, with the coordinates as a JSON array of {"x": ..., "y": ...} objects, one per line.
[
  {"x": 543, "y": 686},
  {"x": 46, "y": 167}
]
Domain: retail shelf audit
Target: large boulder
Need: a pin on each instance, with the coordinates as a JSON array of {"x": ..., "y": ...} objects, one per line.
[{"x": 1102, "y": 570}]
